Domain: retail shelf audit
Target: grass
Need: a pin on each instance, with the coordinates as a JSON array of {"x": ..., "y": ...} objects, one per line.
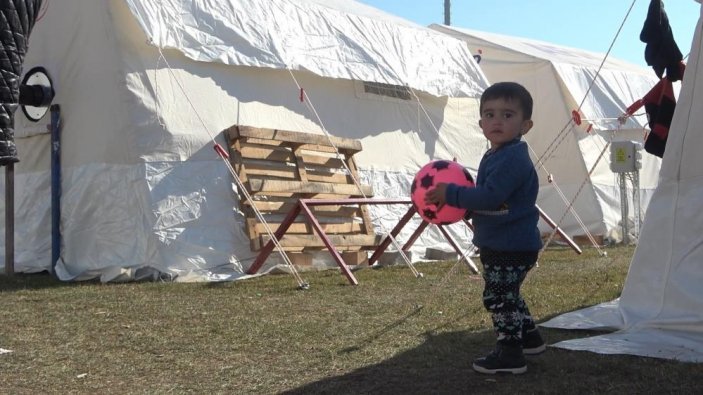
[{"x": 393, "y": 333}]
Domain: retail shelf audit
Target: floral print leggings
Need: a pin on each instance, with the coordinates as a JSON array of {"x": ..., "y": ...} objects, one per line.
[{"x": 503, "y": 273}]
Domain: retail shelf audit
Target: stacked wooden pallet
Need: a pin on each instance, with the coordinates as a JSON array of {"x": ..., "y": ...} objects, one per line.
[{"x": 279, "y": 167}]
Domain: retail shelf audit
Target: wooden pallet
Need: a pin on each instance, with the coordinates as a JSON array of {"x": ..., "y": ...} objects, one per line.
[{"x": 279, "y": 167}]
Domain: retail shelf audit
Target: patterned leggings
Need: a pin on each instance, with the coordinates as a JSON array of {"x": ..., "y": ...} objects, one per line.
[{"x": 503, "y": 273}]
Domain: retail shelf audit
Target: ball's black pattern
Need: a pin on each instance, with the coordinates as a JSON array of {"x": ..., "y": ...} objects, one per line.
[
  {"x": 427, "y": 181},
  {"x": 440, "y": 165}
]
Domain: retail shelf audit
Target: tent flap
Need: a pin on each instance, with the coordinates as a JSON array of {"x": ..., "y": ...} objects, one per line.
[
  {"x": 357, "y": 43},
  {"x": 660, "y": 305}
]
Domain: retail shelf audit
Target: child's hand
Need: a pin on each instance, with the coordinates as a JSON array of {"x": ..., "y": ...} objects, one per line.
[{"x": 437, "y": 195}]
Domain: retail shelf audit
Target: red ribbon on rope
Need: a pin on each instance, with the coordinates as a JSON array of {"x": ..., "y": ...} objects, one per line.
[
  {"x": 576, "y": 117},
  {"x": 220, "y": 151}
]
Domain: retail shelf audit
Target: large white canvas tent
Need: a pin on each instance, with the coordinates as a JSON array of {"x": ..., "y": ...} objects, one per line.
[
  {"x": 660, "y": 311},
  {"x": 145, "y": 86},
  {"x": 561, "y": 80}
]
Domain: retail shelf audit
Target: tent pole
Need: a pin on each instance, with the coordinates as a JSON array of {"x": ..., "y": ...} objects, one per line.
[
  {"x": 55, "y": 185},
  {"x": 10, "y": 219},
  {"x": 447, "y": 12}
]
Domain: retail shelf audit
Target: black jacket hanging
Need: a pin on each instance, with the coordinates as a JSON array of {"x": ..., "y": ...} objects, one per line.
[
  {"x": 661, "y": 51},
  {"x": 18, "y": 18},
  {"x": 659, "y": 104}
]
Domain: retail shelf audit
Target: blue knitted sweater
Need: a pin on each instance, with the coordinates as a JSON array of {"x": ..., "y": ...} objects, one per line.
[{"x": 503, "y": 201}]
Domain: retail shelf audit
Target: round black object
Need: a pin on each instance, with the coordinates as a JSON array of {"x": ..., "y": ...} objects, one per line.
[{"x": 36, "y": 93}]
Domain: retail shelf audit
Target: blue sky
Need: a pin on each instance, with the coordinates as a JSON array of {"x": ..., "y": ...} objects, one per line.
[{"x": 586, "y": 24}]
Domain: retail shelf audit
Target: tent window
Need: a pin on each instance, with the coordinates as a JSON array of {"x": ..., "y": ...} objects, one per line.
[{"x": 388, "y": 90}]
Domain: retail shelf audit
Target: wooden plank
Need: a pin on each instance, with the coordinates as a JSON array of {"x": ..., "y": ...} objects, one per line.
[
  {"x": 251, "y": 227},
  {"x": 266, "y": 205},
  {"x": 256, "y": 151},
  {"x": 265, "y": 142},
  {"x": 339, "y": 241},
  {"x": 255, "y": 167},
  {"x": 296, "y": 195},
  {"x": 327, "y": 149},
  {"x": 331, "y": 162},
  {"x": 328, "y": 177},
  {"x": 283, "y": 207},
  {"x": 339, "y": 168},
  {"x": 337, "y": 211},
  {"x": 271, "y": 194},
  {"x": 296, "y": 137},
  {"x": 278, "y": 186},
  {"x": 255, "y": 245},
  {"x": 351, "y": 164},
  {"x": 306, "y": 228},
  {"x": 237, "y": 163},
  {"x": 329, "y": 196},
  {"x": 231, "y": 133},
  {"x": 365, "y": 213},
  {"x": 283, "y": 167},
  {"x": 308, "y": 148},
  {"x": 270, "y": 169},
  {"x": 302, "y": 174},
  {"x": 366, "y": 219}
]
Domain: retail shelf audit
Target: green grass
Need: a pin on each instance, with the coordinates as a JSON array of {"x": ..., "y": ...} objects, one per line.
[{"x": 393, "y": 333}]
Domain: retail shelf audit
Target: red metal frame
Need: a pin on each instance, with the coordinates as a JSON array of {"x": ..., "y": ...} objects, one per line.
[
  {"x": 396, "y": 230},
  {"x": 561, "y": 233},
  {"x": 305, "y": 204}
]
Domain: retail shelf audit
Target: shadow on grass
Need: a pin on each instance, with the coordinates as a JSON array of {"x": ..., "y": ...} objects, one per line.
[
  {"x": 25, "y": 281},
  {"x": 375, "y": 336},
  {"x": 442, "y": 365}
]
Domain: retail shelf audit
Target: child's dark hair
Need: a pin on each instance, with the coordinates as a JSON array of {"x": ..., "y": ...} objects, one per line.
[{"x": 509, "y": 91}]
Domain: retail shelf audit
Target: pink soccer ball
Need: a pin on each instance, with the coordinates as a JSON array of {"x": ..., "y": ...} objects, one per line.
[{"x": 446, "y": 171}]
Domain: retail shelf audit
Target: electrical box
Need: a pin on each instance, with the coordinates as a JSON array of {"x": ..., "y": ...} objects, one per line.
[{"x": 625, "y": 156}]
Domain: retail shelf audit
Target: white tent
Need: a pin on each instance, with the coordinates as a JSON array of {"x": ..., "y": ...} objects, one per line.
[
  {"x": 660, "y": 311},
  {"x": 559, "y": 79},
  {"x": 146, "y": 85}
]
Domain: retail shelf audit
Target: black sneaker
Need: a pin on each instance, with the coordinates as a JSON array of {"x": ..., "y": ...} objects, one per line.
[
  {"x": 505, "y": 359},
  {"x": 532, "y": 342}
]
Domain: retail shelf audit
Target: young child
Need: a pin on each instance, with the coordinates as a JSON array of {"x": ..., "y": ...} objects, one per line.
[{"x": 505, "y": 224}]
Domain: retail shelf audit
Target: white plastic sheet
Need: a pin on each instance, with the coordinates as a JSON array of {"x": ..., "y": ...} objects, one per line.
[
  {"x": 659, "y": 313},
  {"x": 333, "y": 39},
  {"x": 144, "y": 194}
]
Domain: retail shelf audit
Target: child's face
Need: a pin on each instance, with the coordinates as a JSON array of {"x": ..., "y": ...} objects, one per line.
[{"x": 502, "y": 121}]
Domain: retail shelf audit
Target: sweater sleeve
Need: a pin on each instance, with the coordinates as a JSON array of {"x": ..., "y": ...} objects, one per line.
[{"x": 501, "y": 180}]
